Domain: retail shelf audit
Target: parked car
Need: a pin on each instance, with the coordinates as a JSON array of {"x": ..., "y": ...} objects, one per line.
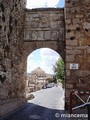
[
  {"x": 44, "y": 87},
  {"x": 50, "y": 85}
]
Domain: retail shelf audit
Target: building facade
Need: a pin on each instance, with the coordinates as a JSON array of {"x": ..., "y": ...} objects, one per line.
[{"x": 37, "y": 79}]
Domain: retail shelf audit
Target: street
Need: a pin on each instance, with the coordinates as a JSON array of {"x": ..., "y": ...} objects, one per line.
[
  {"x": 50, "y": 98},
  {"x": 48, "y": 104}
]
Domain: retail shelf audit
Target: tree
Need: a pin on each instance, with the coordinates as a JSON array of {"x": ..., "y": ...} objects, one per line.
[
  {"x": 54, "y": 79},
  {"x": 59, "y": 69}
]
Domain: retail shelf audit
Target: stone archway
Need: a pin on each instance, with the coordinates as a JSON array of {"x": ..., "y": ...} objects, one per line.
[
  {"x": 29, "y": 47},
  {"x": 45, "y": 28},
  {"x": 41, "y": 59},
  {"x": 58, "y": 46}
]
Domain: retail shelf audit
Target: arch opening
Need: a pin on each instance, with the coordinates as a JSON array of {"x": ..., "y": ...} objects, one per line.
[{"x": 41, "y": 74}]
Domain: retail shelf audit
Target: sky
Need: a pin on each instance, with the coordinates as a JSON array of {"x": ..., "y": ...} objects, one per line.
[
  {"x": 44, "y": 3},
  {"x": 44, "y": 58}
]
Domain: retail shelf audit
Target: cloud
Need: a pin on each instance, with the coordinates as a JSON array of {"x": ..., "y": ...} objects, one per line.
[
  {"x": 31, "y": 63},
  {"x": 42, "y": 3},
  {"x": 48, "y": 56},
  {"x": 46, "y": 59}
]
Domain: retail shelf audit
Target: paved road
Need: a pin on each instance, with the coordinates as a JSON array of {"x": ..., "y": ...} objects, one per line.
[
  {"x": 46, "y": 105},
  {"x": 51, "y": 98}
]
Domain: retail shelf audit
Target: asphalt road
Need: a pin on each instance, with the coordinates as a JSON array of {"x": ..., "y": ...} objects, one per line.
[
  {"x": 50, "y": 98},
  {"x": 48, "y": 104}
]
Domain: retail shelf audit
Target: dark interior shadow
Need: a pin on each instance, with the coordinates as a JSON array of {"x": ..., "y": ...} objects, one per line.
[{"x": 35, "y": 112}]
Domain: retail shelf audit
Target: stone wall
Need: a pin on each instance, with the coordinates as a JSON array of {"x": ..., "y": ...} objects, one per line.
[
  {"x": 44, "y": 28},
  {"x": 12, "y": 67},
  {"x": 77, "y": 13},
  {"x": 44, "y": 24}
]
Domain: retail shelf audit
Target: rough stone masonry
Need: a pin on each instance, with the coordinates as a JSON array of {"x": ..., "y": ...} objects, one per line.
[
  {"x": 12, "y": 83},
  {"x": 44, "y": 28},
  {"x": 77, "y": 22}
]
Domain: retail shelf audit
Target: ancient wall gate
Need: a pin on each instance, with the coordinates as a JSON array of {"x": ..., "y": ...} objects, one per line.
[{"x": 67, "y": 31}]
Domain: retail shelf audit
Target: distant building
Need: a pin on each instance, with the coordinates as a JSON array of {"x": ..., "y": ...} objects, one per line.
[{"x": 37, "y": 79}]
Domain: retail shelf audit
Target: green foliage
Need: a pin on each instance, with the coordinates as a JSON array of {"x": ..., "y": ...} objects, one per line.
[
  {"x": 49, "y": 80},
  {"x": 54, "y": 79},
  {"x": 59, "y": 69}
]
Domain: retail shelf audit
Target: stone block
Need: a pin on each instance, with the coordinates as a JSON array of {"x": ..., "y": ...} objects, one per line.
[
  {"x": 69, "y": 47},
  {"x": 69, "y": 86},
  {"x": 69, "y": 58},
  {"x": 88, "y": 59},
  {"x": 70, "y": 34},
  {"x": 68, "y": 21},
  {"x": 34, "y": 25},
  {"x": 34, "y": 35},
  {"x": 44, "y": 25},
  {"x": 69, "y": 52},
  {"x": 76, "y": 21},
  {"x": 79, "y": 16},
  {"x": 35, "y": 15},
  {"x": 88, "y": 50},
  {"x": 54, "y": 35},
  {"x": 79, "y": 36},
  {"x": 82, "y": 73},
  {"x": 53, "y": 24},
  {"x": 82, "y": 85},
  {"x": 82, "y": 47},
  {"x": 87, "y": 33},
  {"x": 72, "y": 81},
  {"x": 47, "y": 35},
  {"x": 68, "y": 72},
  {"x": 26, "y": 35},
  {"x": 1, "y": 50},
  {"x": 71, "y": 27},
  {"x": 40, "y": 35},
  {"x": 86, "y": 25},
  {"x": 73, "y": 43},
  {"x": 67, "y": 66},
  {"x": 57, "y": 17}
]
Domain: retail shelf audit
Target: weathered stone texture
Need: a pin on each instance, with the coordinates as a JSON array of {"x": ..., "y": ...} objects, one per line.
[
  {"x": 44, "y": 24},
  {"x": 77, "y": 45},
  {"x": 12, "y": 85},
  {"x": 44, "y": 28}
]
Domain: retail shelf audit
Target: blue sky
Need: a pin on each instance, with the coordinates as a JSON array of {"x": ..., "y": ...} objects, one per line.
[
  {"x": 44, "y": 58},
  {"x": 44, "y": 3}
]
